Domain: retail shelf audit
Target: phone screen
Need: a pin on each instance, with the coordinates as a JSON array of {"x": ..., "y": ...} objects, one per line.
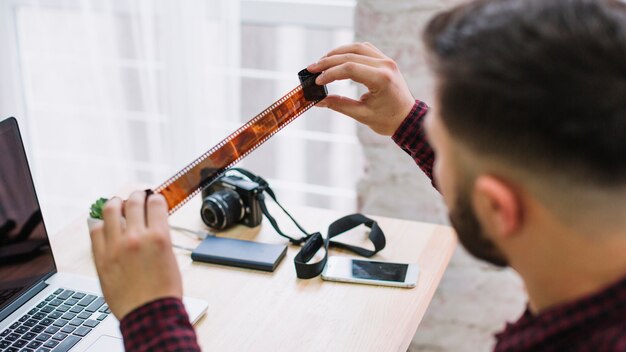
[{"x": 362, "y": 269}]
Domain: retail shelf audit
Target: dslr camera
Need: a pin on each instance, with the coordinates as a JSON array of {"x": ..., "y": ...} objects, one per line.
[{"x": 231, "y": 200}]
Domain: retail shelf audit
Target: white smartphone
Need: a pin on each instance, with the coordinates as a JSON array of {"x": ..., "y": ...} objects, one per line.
[{"x": 370, "y": 272}]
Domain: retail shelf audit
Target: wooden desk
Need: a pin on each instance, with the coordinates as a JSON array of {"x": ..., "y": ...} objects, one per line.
[{"x": 258, "y": 311}]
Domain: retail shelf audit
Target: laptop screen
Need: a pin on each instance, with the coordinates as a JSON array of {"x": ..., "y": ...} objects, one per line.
[{"x": 25, "y": 254}]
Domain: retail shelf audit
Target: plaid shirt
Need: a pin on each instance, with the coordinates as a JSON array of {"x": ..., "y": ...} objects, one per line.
[
  {"x": 411, "y": 137},
  {"x": 594, "y": 323},
  {"x": 161, "y": 325}
]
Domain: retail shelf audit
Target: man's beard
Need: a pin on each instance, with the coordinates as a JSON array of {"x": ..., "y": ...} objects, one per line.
[{"x": 470, "y": 233}]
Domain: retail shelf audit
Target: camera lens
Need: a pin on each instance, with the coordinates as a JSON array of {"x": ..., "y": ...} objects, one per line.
[{"x": 222, "y": 209}]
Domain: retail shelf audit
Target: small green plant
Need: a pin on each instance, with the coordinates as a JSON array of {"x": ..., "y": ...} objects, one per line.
[{"x": 97, "y": 208}]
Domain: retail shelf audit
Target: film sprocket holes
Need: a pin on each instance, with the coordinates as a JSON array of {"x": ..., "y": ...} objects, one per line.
[{"x": 231, "y": 200}]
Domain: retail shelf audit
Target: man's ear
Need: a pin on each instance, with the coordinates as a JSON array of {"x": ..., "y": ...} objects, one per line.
[{"x": 498, "y": 206}]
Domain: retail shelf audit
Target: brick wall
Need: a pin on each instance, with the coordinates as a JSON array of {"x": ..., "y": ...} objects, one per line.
[{"x": 392, "y": 184}]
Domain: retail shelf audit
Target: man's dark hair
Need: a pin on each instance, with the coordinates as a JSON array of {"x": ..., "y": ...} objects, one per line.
[{"x": 539, "y": 82}]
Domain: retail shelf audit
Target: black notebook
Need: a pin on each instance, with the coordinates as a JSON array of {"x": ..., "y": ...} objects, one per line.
[{"x": 239, "y": 253}]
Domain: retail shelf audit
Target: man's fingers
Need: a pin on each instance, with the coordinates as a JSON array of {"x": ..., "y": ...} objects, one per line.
[
  {"x": 367, "y": 75},
  {"x": 350, "y": 107},
  {"x": 98, "y": 243},
  {"x": 335, "y": 60},
  {"x": 363, "y": 50},
  {"x": 157, "y": 213},
  {"x": 134, "y": 211},
  {"x": 366, "y": 49},
  {"x": 112, "y": 215}
]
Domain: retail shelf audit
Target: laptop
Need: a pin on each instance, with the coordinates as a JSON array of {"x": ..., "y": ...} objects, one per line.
[{"x": 40, "y": 308}]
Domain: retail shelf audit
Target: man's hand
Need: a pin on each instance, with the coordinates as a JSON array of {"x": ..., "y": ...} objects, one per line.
[
  {"x": 134, "y": 260},
  {"x": 388, "y": 101}
]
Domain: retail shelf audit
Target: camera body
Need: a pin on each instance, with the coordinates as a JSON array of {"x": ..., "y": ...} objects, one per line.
[{"x": 231, "y": 200}]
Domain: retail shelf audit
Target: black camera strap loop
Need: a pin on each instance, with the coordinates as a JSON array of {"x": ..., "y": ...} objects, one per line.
[
  {"x": 376, "y": 235},
  {"x": 305, "y": 270},
  {"x": 315, "y": 242},
  {"x": 312, "y": 242}
]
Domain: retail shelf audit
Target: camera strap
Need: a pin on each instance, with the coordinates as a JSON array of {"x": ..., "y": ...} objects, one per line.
[
  {"x": 312, "y": 242},
  {"x": 306, "y": 270}
]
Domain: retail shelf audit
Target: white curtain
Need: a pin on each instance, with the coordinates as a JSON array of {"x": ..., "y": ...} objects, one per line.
[{"x": 118, "y": 92}]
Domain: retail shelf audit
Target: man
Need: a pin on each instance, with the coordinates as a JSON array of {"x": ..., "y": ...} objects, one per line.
[{"x": 529, "y": 133}]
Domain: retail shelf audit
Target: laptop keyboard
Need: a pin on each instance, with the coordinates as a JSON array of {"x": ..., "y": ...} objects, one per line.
[{"x": 56, "y": 324}]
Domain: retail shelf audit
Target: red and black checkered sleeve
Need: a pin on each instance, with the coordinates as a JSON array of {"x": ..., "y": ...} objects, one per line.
[
  {"x": 161, "y": 325},
  {"x": 411, "y": 137}
]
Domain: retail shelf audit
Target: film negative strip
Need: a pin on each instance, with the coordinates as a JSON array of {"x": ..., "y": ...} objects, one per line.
[{"x": 189, "y": 181}]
